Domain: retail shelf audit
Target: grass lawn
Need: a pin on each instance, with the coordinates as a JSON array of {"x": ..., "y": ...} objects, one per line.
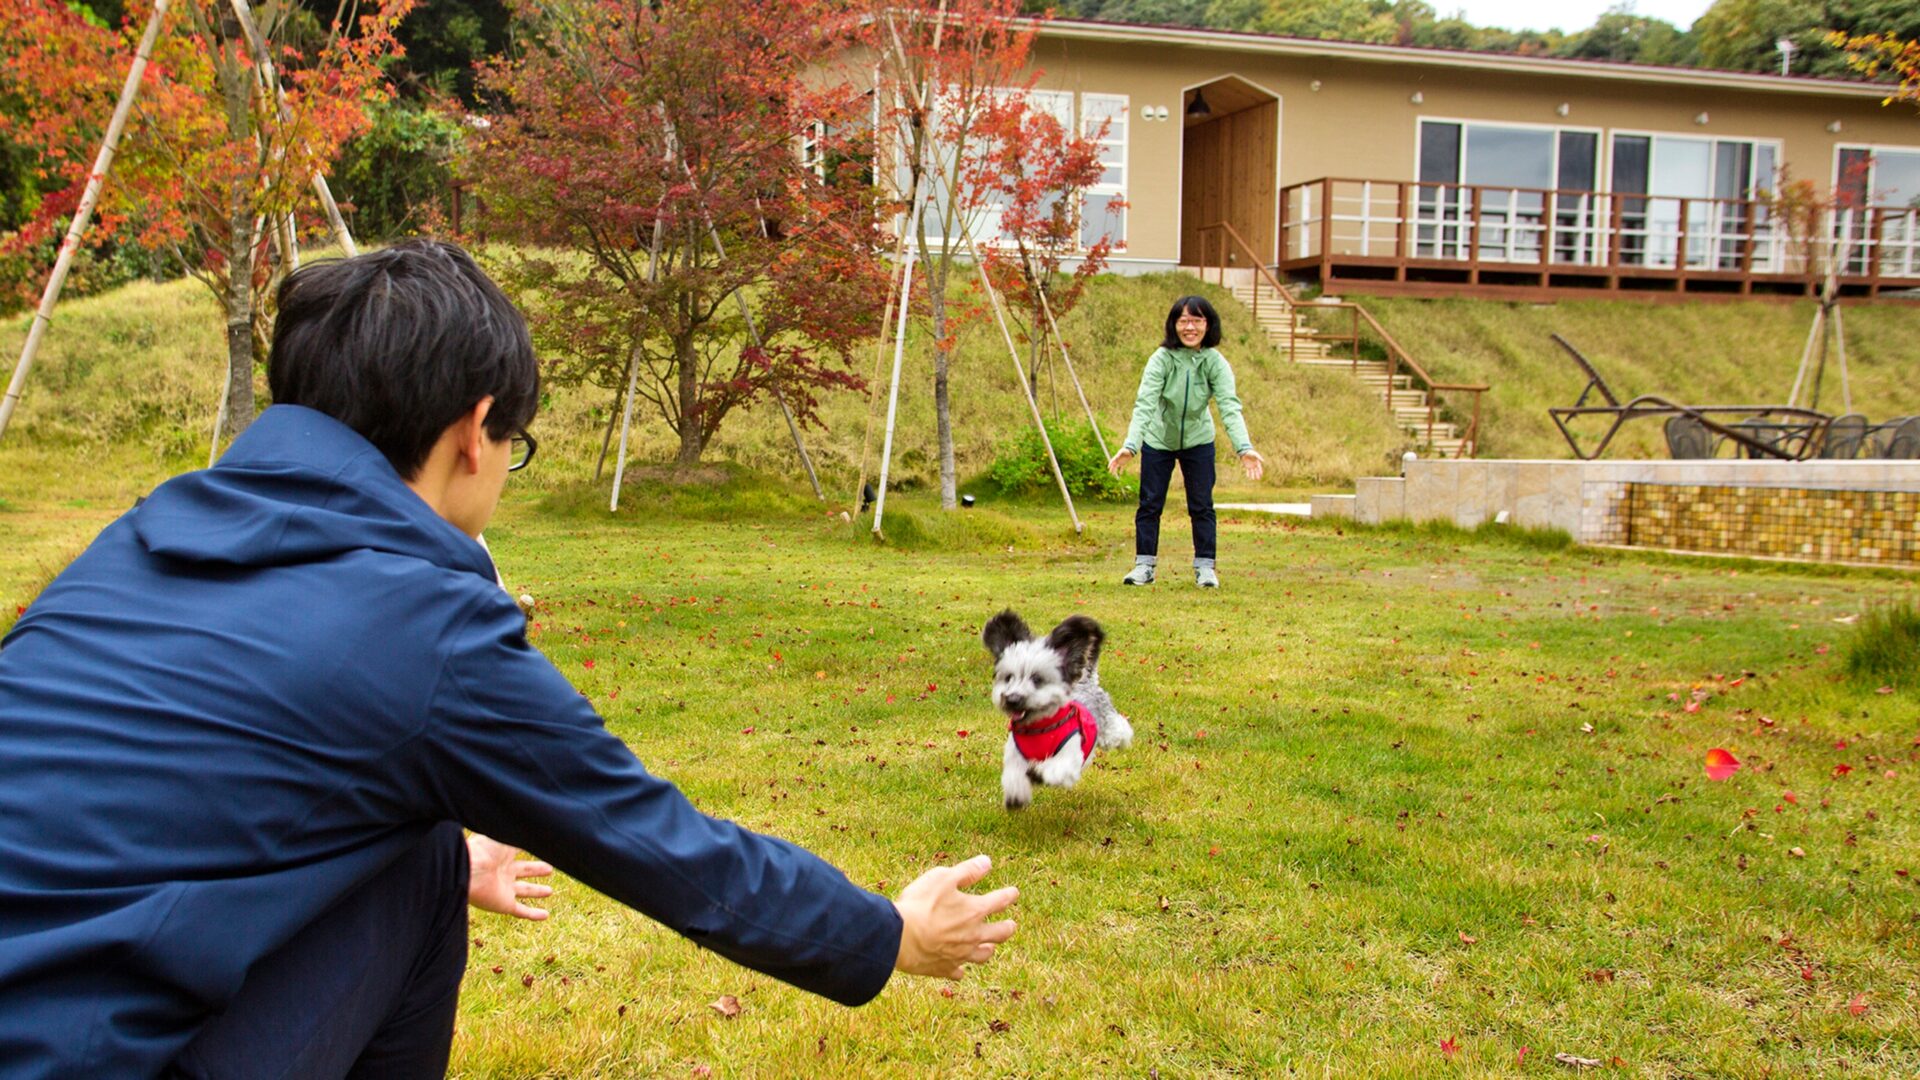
[
  {"x": 1391, "y": 788},
  {"x": 1401, "y": 801}
]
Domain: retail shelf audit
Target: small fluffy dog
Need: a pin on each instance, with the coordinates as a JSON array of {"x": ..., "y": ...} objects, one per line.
[{"x": 1056, "y": 711}]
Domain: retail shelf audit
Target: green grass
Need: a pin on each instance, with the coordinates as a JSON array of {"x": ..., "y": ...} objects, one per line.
[
  {"x": 1886, "y": 650},
  {"x": 1392, "y": 786},
  {"x": 1367, "y": 745}
]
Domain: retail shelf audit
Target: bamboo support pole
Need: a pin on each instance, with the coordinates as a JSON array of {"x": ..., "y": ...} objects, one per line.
[
  {"x": 263, "y": 58},
  {"x": 1054, "y": 327},
  {"x": 82, "y": 215},
  {"x": 917, "y": 206},
  {"x": 1039, "y": 424}
]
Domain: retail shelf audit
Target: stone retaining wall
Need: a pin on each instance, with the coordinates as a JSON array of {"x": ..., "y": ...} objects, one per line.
[{"x": 1827, "y": 511}]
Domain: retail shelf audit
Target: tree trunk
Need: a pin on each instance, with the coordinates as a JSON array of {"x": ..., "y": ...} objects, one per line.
[
  {"x": 693, "y": 430},
  {"x": 236, "y": 84},
  {"x": 942, "y": 398},
  {"x": 238, "y": 302}
]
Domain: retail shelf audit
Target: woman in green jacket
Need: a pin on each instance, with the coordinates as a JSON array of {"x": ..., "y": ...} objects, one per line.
[{"x": 1172, "y": 424}]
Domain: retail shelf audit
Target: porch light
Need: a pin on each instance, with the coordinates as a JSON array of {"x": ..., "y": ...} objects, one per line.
[
  {"x": 1562, "y": 109},
  {"x": 1418, "y": 97},
  {"x": 1198, "y": 106},
  {"x": 1314, "y": 86},
  {"x": 1701, "y": 119},
  {"x": 1834, "y": 126}
]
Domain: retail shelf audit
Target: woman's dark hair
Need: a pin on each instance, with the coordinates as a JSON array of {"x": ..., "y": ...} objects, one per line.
[
  {"x": 1192, "y": 305},
  {"x": 397, "y": 344}
]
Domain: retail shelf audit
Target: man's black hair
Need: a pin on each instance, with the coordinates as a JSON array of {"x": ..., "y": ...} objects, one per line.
[
  {"x": 397, "y": 344},
  {"x": 1192, "y": 305}
]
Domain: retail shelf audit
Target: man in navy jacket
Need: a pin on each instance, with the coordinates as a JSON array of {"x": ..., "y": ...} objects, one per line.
[{"x": 240, "y": 733}]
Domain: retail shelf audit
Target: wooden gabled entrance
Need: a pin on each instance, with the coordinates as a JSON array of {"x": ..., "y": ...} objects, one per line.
[{"x": 1229, "y": 165}]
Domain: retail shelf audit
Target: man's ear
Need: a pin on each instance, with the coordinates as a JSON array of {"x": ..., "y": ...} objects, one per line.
[{"x": 472, "y": 429}]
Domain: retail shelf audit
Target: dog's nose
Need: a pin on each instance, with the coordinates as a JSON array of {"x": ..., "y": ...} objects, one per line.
[{"x": 1015, "y": 702}]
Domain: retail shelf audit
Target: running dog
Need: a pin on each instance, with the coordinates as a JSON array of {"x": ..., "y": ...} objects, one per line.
[{"x": 1049, "y": 690}]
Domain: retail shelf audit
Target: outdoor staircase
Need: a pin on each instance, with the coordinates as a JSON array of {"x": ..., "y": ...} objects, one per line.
[{"x": 1414, "y": 409}]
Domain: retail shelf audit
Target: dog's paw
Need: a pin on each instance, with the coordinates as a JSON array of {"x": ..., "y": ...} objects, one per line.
[
  {"x": 1015, "y": 789},
  {"x": 1116, "y": 735},
  {"x": 1062, "y": 770}
]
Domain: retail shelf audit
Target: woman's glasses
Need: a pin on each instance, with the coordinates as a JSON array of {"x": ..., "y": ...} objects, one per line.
[{"x": 523, "y": 446}]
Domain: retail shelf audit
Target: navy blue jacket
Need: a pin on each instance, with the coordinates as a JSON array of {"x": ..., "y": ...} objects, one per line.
[{"x": 256, "y": 689}]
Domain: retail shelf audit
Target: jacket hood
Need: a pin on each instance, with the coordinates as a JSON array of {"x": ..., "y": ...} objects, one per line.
[{"x": 299, "y": 486}]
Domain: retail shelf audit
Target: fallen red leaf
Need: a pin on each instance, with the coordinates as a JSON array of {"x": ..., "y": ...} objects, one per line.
[
  {"x": 1842, "y": 769},
  {"x": 1521, "y": 1057},
  {"x": 999, "y": 1027},
  {"x": 961, "y": 732},
  {"x": 588, "y": 664},
  {"x": 1721, "y": 764},
  {"x": 1449, "y": 1047},
  {"x": 1858, "y": 1005},
  {"x": 1806, "y": 973},
  {"x": 726, "y": 1005},
  {"x": 1792, "y": 798},
  {"x": 1468, "y": 939}
]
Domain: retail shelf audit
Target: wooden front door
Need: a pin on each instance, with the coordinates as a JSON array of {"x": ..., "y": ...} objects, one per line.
[{"x": 1227, "y": 172}]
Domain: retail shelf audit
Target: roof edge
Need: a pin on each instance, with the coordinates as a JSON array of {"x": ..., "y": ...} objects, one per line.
[{"x": 1247, "y": 41}]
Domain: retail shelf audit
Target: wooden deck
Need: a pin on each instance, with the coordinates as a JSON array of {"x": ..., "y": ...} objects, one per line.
[{"x": 1392, "y": 237}]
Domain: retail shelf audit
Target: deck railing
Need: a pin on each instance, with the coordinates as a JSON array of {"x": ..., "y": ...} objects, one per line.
[
  {"x": 1224, "y": 248},
  {"x": 1561, "y": 231}
]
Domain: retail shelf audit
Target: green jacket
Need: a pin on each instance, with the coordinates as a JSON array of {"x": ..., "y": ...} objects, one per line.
[{"x": 1171, "y": 411}]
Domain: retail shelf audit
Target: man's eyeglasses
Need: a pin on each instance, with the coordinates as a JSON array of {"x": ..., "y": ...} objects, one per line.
[{"x": 522, "y": 450}]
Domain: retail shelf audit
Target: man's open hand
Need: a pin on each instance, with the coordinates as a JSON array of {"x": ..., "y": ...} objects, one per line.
[
  {"x": 497, "y": 879},
  {"x": 945, "y": 929}
]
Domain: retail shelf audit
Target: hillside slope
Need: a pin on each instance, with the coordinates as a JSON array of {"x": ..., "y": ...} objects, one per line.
[{"x": 1710, "y": 353}]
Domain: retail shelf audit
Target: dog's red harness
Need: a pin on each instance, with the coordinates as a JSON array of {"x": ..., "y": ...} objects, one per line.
[{"x": 1043, "y": 739}]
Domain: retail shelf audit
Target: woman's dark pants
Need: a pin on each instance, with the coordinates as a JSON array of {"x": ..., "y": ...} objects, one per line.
[{"x": 1156, "y": 473}]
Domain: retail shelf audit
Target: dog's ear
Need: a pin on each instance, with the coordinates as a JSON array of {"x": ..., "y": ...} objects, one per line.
[
  {"x": 1003, "y": 630},
  {"x": 1077, "y": 639}
]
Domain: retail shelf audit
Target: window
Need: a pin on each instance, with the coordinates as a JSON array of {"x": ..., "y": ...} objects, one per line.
[
  {"x": 1533, "y": 181},
  {"x": 1716, "y": 186},
  {"x": 1881, "y": 185},
  {"x": 1099, "y": 216}
]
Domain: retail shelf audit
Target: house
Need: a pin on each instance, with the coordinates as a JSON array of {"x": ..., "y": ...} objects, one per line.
[{"x": 1390, "y": 169}]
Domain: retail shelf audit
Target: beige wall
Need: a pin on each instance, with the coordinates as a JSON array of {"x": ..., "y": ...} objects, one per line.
[{"x": 1362, "y": 124}]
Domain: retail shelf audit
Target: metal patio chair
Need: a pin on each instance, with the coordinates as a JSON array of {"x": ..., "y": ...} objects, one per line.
[
  {"x": 1845, "y": 438},
  {"x": 1774, "y": 431}
]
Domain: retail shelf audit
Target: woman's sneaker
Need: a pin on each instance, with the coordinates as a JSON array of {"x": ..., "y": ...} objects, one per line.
[
  {"x": 1141, "y": 574},
  {"x": 1204, "y": 577}
]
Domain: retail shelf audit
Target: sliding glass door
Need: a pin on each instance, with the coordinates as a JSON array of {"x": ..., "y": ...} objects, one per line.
[
  {"x": 1675, "y": 188},
  {"x": 1535, "y": 188}
]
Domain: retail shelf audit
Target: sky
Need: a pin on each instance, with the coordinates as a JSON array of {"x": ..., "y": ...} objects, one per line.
[{"x": 1567, "y": 15}]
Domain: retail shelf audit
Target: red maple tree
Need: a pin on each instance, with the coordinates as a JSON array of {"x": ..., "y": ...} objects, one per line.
[
  {"x": 1037, "y": 173},
  {"x": 689, "y": 191},
  {"x": 217, "y": 164}
]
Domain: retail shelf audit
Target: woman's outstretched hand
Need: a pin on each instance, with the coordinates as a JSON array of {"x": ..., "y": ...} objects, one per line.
[
  {"x": 1118, "y": 461},
  {"x": 1254, "y": 464},
  {"x": 943, "y": 929}
]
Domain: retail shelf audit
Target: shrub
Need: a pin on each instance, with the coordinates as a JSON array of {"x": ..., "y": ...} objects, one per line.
[
  {"x": 399, "y": 172},
  {"x": 1021, "y": 467},
  {"x": 1886, "y": 646}
]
